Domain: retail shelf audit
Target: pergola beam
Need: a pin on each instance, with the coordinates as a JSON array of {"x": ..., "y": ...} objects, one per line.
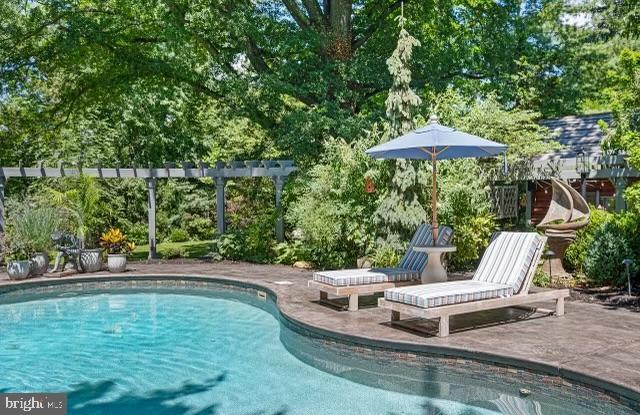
[{"x": 144, "y": 173}]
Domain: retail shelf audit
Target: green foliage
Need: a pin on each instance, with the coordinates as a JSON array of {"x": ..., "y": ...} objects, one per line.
[
  {"x": 471, "y": 237},
  {"x": 291, "y": 252},
  {"x": 178, "y": 235},
  {"x": 385, "y": 255},
  {"x": 229, "y": 245},
  {"x": 138, "y": 233},
  {"x": 632, "y": 197},
  {"x": 186, "y": 205},
  {"x": 541, "y": 279},
  {"x": 174, "y": 252},
  {"x": 625, "y": 134},
  {"x": 401, "y": 209},
  {"x": 34, "y": 226},
  {"x": 464, "y": 205},
  {"x": 609, "y": 248},
  {"x": 333, "y": 213},
  {"x": 488, "y": 118},
  {"x": 600, "y": 248},
  {"x": 79, "y": 197},
  {"x": 576, "y": 255}
]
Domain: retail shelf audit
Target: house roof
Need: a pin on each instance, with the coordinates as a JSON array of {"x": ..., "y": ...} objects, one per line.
[{"x": 577, "y": 133}]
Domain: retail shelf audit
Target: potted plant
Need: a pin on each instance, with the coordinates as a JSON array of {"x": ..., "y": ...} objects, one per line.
[
  {"x": 117, "y": 247},
  {"x": 17, "y": 257},
  {"x": 34, "y": 226}
]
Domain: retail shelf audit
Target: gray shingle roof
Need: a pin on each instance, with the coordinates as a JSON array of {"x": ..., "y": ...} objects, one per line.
[{"x": 577, "y": 133}]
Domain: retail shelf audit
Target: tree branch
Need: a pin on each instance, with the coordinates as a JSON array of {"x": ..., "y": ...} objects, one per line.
[
  {"x": 255, "y": 56},
  {"x": 314, "y": 11},
  {"x": 296, "y": 13}
]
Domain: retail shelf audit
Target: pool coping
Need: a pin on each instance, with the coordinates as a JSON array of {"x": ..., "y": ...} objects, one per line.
[{"x": 539, "y": 366}]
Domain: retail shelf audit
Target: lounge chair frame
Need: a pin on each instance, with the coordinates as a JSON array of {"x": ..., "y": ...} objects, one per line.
[
  {"x": 444, "y": 312},
  {"x": 353, "y": 291}
]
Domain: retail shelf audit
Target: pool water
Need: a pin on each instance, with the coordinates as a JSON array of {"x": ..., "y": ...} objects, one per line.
[{"x": 174, "y": 353}]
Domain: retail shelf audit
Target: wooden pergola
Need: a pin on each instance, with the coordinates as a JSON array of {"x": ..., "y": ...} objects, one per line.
[{"x": 277, "y": 170}]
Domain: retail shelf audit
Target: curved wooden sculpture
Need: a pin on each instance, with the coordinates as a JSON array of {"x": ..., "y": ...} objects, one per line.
[
  {"x": 568, "y": 209},
  {"x": 567, "y": 213}
]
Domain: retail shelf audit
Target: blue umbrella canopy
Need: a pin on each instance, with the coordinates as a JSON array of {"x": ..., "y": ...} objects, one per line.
[
  {"x": 433, "y": 138},
  {"x": 436, "y": 142}
]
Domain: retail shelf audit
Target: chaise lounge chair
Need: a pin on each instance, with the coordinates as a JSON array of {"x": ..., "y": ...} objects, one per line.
[
  {"x": 502, "y": 280},
  {"x": 353, "y": 282}
]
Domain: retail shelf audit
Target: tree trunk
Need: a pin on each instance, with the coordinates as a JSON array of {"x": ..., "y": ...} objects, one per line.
[{"x": 340, "y": 23}]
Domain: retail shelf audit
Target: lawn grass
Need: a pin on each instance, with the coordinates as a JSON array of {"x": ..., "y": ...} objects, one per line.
[{"x": 191, "y": 249}]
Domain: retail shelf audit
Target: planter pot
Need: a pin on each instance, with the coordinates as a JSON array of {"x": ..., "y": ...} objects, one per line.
[
  {"x": 90, "y": 260},
  {"x": 117, "y": 262},
  {"x": 18, "y": 270},
  {"x": 39, "y": 263}
]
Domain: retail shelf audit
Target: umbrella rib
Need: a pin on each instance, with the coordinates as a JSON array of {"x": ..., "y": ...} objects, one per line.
[{"x": 431, "y": 153}]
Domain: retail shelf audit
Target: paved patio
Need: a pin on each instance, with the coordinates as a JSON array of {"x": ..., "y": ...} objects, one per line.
[{"x": 590, "y": 340}]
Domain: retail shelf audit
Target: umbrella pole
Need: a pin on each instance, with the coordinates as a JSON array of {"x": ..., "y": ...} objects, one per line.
[{"x": 434, "y": 209}]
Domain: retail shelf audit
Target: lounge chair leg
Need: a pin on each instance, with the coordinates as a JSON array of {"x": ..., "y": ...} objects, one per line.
[
  {"x": 395, "y": 315},
  {"x": 353, "y": 302},
  {"x": 324, "y": 296},
  {"x": 560, "y": 307},
  {"x": 444, "y": 327}
]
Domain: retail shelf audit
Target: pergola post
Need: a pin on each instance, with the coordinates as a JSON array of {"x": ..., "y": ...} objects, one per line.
[
  {"x": 151, "y": 212},
  {"x": 3, "y": 181},
  {"x": 620, "y": 183},
  {"x": 220, "y": 204},
  {"x": 529, "y": 207},
  {"x": 279, "y": 182}
]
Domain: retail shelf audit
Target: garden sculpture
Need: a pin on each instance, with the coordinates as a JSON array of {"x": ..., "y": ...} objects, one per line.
[
  {"x": 567, "y": 213},
  {"x": 68, "y": 247}
]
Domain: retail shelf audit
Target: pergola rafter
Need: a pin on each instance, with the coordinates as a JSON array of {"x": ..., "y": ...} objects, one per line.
[{"x": 278, "y": 170}]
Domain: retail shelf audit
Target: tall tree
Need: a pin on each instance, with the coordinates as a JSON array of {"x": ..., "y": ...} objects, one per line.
[
  {"x": 400, "y": 212},
  {"x": 299, "y": 69}
]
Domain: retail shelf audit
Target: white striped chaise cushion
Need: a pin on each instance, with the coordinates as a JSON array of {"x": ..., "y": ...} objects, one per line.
[
  {"x": 508, "y": 258},
  {"x": 444, "y": 293},
  {"x": 364, "y": 276}
]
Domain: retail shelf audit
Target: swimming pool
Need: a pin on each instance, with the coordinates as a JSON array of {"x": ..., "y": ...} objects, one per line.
[{"x": 227, "y": 352}]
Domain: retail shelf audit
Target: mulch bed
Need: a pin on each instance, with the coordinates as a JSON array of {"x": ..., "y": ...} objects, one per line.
[{"x": 609, "y": 297}]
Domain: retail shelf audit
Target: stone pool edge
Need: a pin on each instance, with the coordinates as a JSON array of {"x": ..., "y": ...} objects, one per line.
[{"x": 536, "y": 366}]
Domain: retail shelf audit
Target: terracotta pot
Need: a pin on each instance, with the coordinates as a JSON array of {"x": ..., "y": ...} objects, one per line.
[
  {"x": 117, "y": 262},
  {"x": 18, "y": 270},
  {"x": 39, "y": 263},
  {"x": 90, "y": 260}
]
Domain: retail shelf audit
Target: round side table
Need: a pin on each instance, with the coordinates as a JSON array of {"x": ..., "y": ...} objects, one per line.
[{"x": 434, "y": 271}]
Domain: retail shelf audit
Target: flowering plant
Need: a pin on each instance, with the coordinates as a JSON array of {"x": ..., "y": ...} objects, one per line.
[{"x": 115, "y": 242}]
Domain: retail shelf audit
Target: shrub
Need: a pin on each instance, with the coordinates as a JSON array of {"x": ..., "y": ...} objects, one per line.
[
  {"x": 541, "y": 278},
  {"x": 464, "y": 205},
  {"x": 174, "y": 252},
  {"x": 334, "y": 213},
  {"x": 199, "y": 228},
  {"x": 290, "y": 252},
  {"x": 229, "y": 245},
  {"x": 178, "y": 235},
  {"x": 259, "y": 238},
  {"x": 471, "y": 237},
  {"x": 576, "y": 255},
  {"x": 385, "y": 255},
  {"x": 603, "y": 263},
  {"x": 138, "y": 233}
]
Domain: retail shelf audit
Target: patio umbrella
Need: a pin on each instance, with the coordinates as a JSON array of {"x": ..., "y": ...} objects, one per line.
[{"x": 436, "y": 142}]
